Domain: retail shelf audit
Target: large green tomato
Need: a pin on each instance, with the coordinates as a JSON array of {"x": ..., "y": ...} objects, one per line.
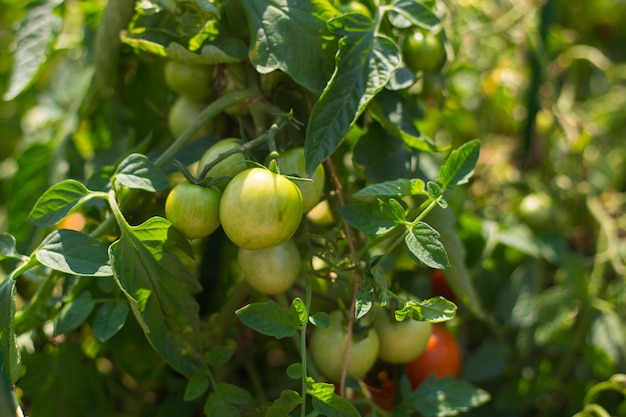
[
  {"x": 273, "y": 270},
  {"x": 182, "y": 114},
  {"x": 423, "y": 52},
  {"x": 192, "y": 80},
  {"x": 291, "y": 162},
  {"x": 327, "y": 348},
  {"x": 260, "y": 209},
  {"x": 400, "y": 341},
  {"x": 193, "y": 209},
  {"x": 230, "y": 166}
]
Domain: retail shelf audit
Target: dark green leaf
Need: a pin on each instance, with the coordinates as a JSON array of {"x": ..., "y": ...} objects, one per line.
[
  {"x": 74, "y": 313},
  {"x": 277, "y": 26},
  {"x": 285, "y": 404},
  {"x": 365, "y": 62},
  {"x": 295, "y": 370},
  {"x": 393, "y": 188},
  {"x": 75, "y": 253},
  {"x": 8, "y": 249},
  {"x": 58, "y": 201},
  {"x": 198, "y": 384},
  {"x": 434, "y": 310},
  {"x": 383, "y": 157},
  {"x": 137, "y": 171},
  {"x": 423, "y": 244},
  {"x": 329, "y": 404},
  {"x": 320, "y": 319},
  {"x": 410, "y": 12},
  {"x": 109, "y": 319},
  {"x": 460, "y": 165},
  {"x": 161, "y": 289},
  {"x": 219, "y": 355},
  {"x": 269, "y": 318},
  {"x": 373, "y": 217},
  {"x": 10, "y": 354},
  {"x": 216, "y": 405},
  {"x": 486, "y": 362},
  {"x": 35, "y": 38},
  {"x": 446, "y": 397},
  {"x": 233, "y": 393}
]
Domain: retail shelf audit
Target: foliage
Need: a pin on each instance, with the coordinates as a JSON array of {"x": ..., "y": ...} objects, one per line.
[{"x": 121, "y": 314}]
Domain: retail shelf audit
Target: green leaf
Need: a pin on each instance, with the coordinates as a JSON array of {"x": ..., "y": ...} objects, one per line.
[
  {"x": 216, "y": 405},
  {"x": 298, "y": 309},
  {"x": 285, "y": 404},
  {"x": 10, "y": 354},
  {"x": 198, "y": 384},
  {"x": 35, "y": 38},
  {"x": 363, "y": 305},
  {"x": 383, "y": 157},
  {"x": 269, "y": 318},
  {"x": 410, "y": 12},
  {"x": 219, "y": 355},
  {"x": 234, "y": 394},
  {"x": 424, "y": 246},
  {"x": 276, "y": 26},
  {"x": 329, "y": 404},
  {"x": 434, "y": 190},
  {"x": 137, "y": 171},
  {"x": 109, "y": 319},
  {"x": 364, "y": 64},
  {"x": 320, "y": 319},
  {"x": 460, "y": 165},
  {"x": 75, "y": 253},
  {"x": 434, "y": 310},
  {"x": 295, "y": 370},
  {"x": 74, "y": 313},
  {"x": 373, "y": 217},
  {"x": 59, "y": 201},
  {"x": 393, "y": 188},
  {"x": 161, "y": 289},
  {"x": 8, "y": 248},
  {"x": 446, "y": 397}
]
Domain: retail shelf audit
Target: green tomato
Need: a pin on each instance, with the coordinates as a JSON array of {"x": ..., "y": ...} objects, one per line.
[
  {"x": 192, "y": 80},
  {"x": 230, "y": 166},
  {"x": 260, "y": 209},
  {"x": 182, "y": 114},
  {"x": 423, "y": 52},
  {"x": 537, "y": 211},
  {"x": 327, "y": 346},
  {"x": 291, "y": 162},
  {"x": 400, "y": 341},
  {"x": 193, "y": 209},
  {"x": 273, "y": 270}
]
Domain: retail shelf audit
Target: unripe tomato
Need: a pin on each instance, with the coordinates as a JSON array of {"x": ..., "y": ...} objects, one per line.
[
  {"x": 321, "y": 214},
  {"x": 537, "y": 211},
  {"x": 182, "y": 114},
  {"x": 423, "y": 52},
  {"x": 400, "y": 341},
  {"x": 260, "y": 209},
  {"x": 291, "y": 162},
  {"x": 192, "y": 80},
  {"x": 441, "y": 357},
  {"x": 230, "y": 166},
  {"x": 272, "y": 270},
  {"x": 327, "y": 348},
  {"x": 193, "y": 209}
]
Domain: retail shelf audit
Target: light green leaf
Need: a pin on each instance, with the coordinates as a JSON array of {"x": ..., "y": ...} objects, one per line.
[
  {"x": 434, "y": 310},
  {"x": 291, "y": 37},
  {"x": 393, "y": 188},
  {"x": 327, "y": 403},
  {"x": 373, "y": 217},
  {"x": 59, "y": 201},
  {"x": 137, "y": 171},
  {"x": 460, "y": 165},
  {"x": 446, "y": 397},
  {"x": 109, "y": 319},
  {"x": 424, "y": 246},
  {"x": 35, "y": 38},
  {"x": 269, "y": 318},
  {"x": 298, "y": 309},
  {"x": 411, "y": 12},
  {"x": 161, "y": 289},
  {"x": 75, "y": 253},
  {"x": 364, "y": 64},
  {"x": 10, "y": 354},
  {"x": 74, "y": 313}
]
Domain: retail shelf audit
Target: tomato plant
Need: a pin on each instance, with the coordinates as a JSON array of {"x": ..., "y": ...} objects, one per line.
[
  {"x": 441, "y": 357},
  {"x": 194, "y": 81},
  {"x": 328, "y": 345},
  {"x": 273, "y": 270},
  {"x": 423, "y": 51},
  {"x": 193, "y": 209},
  {"x": 260, "y": 209}
]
